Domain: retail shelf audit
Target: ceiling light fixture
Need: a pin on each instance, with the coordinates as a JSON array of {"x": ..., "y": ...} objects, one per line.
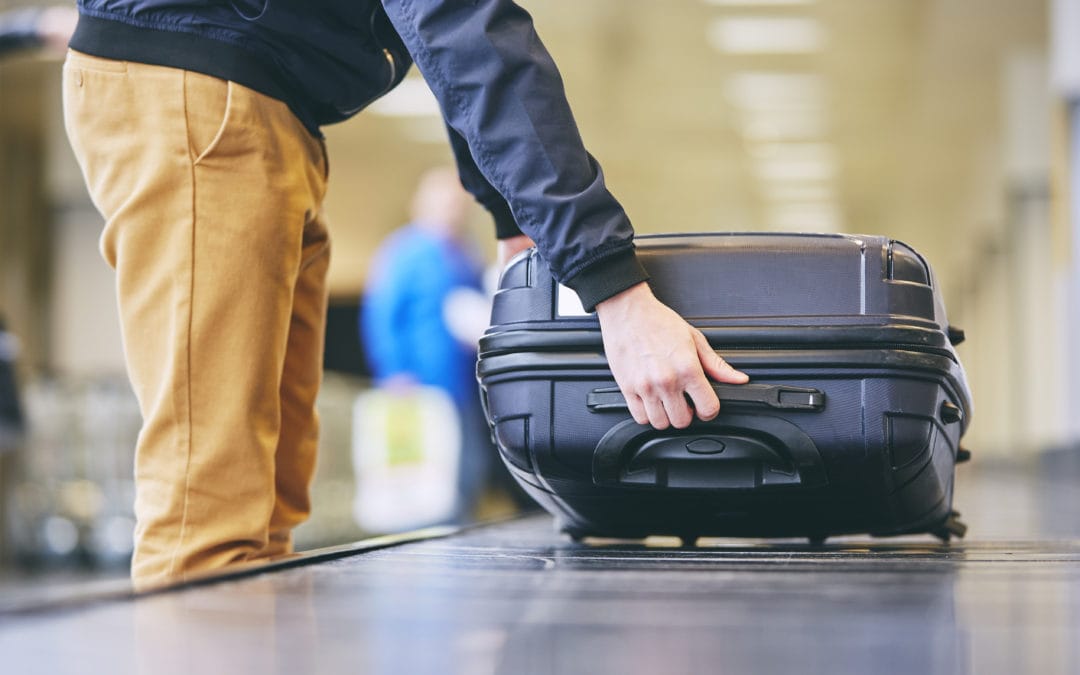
[
  {"x": 758, "y": 3},
  {"x": 798, "y": 192},
  {"x": 772, "y": 90},
  {"x": 793, "y": 162},
  {"x": 766, "y": 35},
  {"x": 776, "y": 127},
  {"x": 813, "y": 217}
]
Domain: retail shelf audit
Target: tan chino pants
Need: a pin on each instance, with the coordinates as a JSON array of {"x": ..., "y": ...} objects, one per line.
[{"x": 212, "y": 197}]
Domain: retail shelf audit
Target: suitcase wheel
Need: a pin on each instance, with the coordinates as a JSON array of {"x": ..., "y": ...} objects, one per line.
[
  {"x": 575, "y": 534},
  {"x": 951, "y": 527}
]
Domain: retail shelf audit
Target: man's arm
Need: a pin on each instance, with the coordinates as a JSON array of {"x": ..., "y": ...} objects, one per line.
[
  {"x": 473, "y": 180},
  {"x": 502, "y": 94}
]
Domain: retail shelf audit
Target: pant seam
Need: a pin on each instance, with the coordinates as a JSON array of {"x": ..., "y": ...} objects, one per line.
[{"x": 187, "y": 342}]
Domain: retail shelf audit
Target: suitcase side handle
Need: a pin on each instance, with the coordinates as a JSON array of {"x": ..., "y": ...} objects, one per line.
[
  {"x": 778, "y": 396},
  {"x": 730, "y": 452}
]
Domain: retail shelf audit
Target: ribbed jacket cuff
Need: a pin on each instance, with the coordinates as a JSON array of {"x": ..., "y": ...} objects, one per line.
[{"x": 607, "y": 277}]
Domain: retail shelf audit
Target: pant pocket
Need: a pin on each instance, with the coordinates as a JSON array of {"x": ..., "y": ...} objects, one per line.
[{"x": 208, "y": 105}]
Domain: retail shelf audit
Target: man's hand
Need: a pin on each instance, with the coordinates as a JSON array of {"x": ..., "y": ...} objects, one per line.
[{"x": 658, "y": 360}]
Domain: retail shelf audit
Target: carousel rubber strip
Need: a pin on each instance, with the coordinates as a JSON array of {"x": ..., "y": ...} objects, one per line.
[{"x": 80, "y": 595}]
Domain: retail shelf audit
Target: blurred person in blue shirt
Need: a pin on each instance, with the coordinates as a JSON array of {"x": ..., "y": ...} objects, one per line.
[
  {"x": 411, "y": 315},
  {"x": 415, "y": 271}
]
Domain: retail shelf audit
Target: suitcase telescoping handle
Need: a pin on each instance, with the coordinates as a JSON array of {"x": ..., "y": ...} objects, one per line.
[{"x": 778, "y": 396}]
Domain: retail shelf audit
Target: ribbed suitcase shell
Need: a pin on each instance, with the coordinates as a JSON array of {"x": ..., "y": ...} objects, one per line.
[{"x": 852, "y": 423}]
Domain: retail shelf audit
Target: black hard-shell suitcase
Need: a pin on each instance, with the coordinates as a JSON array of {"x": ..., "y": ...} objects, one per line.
[{"x": 851, "y": 423}]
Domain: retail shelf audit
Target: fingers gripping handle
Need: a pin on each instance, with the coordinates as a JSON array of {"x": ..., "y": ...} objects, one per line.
[{"x": 778, "y": 396}]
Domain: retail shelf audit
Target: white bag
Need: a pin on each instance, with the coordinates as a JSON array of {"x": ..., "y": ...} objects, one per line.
[{"x": 406, "y": 447}]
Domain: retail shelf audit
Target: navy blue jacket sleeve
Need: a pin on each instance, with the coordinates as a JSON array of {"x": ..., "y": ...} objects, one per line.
[
  {"x": 473, "y": 180},
  {"x": 501, "y": 92}
]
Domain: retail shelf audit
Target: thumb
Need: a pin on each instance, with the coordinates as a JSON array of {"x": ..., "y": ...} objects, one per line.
[{"x": 716, "y": 367}]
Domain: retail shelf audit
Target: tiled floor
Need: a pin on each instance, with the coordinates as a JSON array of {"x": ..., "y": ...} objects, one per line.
[{"x": 517, "y": 599}]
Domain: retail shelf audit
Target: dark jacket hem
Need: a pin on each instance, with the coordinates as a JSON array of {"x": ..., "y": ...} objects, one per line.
[{"x": 188, "y": 51}]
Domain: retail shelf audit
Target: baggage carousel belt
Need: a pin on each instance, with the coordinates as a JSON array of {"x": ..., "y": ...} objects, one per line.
[{"x": 515, "y": 597}]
